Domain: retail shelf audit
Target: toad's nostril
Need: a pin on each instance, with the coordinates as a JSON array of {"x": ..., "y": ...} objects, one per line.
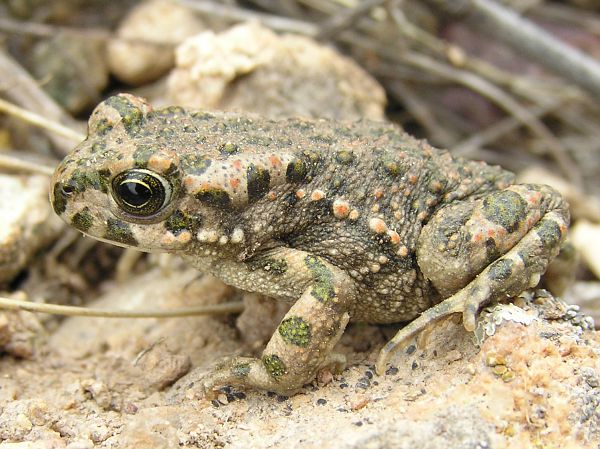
[{"x": 67, "y": 189}]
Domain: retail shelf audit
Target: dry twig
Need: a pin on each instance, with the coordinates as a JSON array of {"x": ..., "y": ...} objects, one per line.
[
  {"x": 41, "y": 122},
  {"x": 527, "y": 38},
  {"x": 347, "y": 18},
  {"x": 215, "y": 309},
  {"x": 23, "y": 90},
  {"x": 13, "y": 163}
]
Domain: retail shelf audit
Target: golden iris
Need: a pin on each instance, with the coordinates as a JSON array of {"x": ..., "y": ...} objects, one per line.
[{"x": 140, "y": 192}]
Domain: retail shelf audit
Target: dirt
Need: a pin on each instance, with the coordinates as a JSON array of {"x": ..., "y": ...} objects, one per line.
[{"x": 112, "y": 383}]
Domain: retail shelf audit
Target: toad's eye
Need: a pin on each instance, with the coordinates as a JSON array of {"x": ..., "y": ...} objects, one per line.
[{"x": 140, "y": 193}]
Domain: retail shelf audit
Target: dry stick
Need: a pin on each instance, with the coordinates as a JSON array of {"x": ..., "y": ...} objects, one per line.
[
  {"x": 215, "y": 309},
  {"x": 468, "y": 146},
  {"x": 274, "y": 22},
  {"x": 583, "y": 20},
  {"x": 46, "y": 30},
  {"x": 347, "y": 18},
  {"x": 421, "y": 112},
  {"x": 40, "y": 122},
  {"x": 21, "y": 88},
  {"x": 506, "y": 102},
  {"x": 13, "y": 163},
  {"x": 533, "y": 89},
  {"x": 529, "y": 39},
  {"x": 484, "y": 88}
]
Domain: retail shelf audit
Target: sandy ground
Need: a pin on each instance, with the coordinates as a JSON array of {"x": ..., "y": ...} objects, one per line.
[{"x": 135, "y": 383}]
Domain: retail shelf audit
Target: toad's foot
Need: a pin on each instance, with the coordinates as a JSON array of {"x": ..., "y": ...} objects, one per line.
[
  {"x": 257, "y": 373},
  {"x": 508, "y": 237}
]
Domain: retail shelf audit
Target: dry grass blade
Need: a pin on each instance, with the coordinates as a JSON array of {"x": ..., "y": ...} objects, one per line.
[
  {"x": 55, "y": 309},
  {"x": 347, "y": 18},
  {"x": 41, "y": 122},
  {"x": 421, "y": 111},
  {"x": 44, "y": 30},
  {"x": 503, "y": 100},
  {"x": 484, "y": 137},
  {"x": 274, "y": 22},
  {"x": 529, "y": 39},
  {"x": 11, "y": 163},
  {"x": 17, "y": 85}
]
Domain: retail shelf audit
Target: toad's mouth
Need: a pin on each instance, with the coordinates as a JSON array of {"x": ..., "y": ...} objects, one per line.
[{"x": 116, "y": 243}]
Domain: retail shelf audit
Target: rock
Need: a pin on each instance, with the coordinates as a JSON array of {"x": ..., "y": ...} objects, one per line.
[
  {"x": 260, "y": 317},
  {"x": 159, "y": 21},
  {"x": 586, "y": 238},
  {"x": 74, "y": 70},
  {"x": 251, "y": 68},
  {"x": 27, "y": 222},
  {"x": 160, "y": 367},
  {"x": 19, "y": 333}
]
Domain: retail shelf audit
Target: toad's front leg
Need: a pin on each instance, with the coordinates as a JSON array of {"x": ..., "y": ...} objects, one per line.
[{"x": 304, "y": 339}]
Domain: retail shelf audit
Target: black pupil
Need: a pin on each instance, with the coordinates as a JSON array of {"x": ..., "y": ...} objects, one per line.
[{"x": 134, "y": 193}]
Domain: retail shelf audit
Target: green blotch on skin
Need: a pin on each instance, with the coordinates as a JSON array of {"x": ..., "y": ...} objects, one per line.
[
  {"x": 171, "y": 112},
  {"x": 296, "y": 171},
  {"x": 131, "y": 115},
  {"x": 168, "y": 132},
  {"x": 491, "y": 250},
  {"x": 345, "y": 157},
  {"x": 98, "y": 147},
  {"x": 59, "y": 199},
  {"x": 228, "y": 149},
  {"x": 241, "y": 370},
  {"x": 274, "y": 365},
  {"x": 180, "y": 221},
  {"x": 82, "y": 180},
  {"x": 390, "y": 165},
  {"x": 119, "y": 231},
  {"x": 164, "y": 114},
  {"x": 277, "y": 267},
  {"x": 142, "y": 155},
  {"x": 501, "y": 270},
  {"x": 549, "y": 233},
  {"x": 321, "y": 138},
  {"x": 82, "y": 220},
  {"x": 312, "y": 157},
  {"x": 195, "y": 164},
  {"x": 202, "y": 116},
  {"x": 214, "y": 196},
  {"x": 258, "y": 181},
  {"x": 530, "y": 259},
  {"x": 505, "y": 208},
  {"x": 295, "y": 331},
  {"x": 102, "y": 127},
  {"x": 338, "y": 182},
  {"x": 258, "y": 140},
  {"x": 322, "y": 288}
]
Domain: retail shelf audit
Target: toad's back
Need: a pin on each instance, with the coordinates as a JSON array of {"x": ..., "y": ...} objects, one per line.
[{"x": 355, "y": 194}]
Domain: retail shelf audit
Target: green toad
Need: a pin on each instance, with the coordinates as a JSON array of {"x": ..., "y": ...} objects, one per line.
[{"x": 346, "y": 221}]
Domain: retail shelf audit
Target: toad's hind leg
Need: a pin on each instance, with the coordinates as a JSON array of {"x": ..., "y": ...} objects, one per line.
[{"x": 484, "y": 250}]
